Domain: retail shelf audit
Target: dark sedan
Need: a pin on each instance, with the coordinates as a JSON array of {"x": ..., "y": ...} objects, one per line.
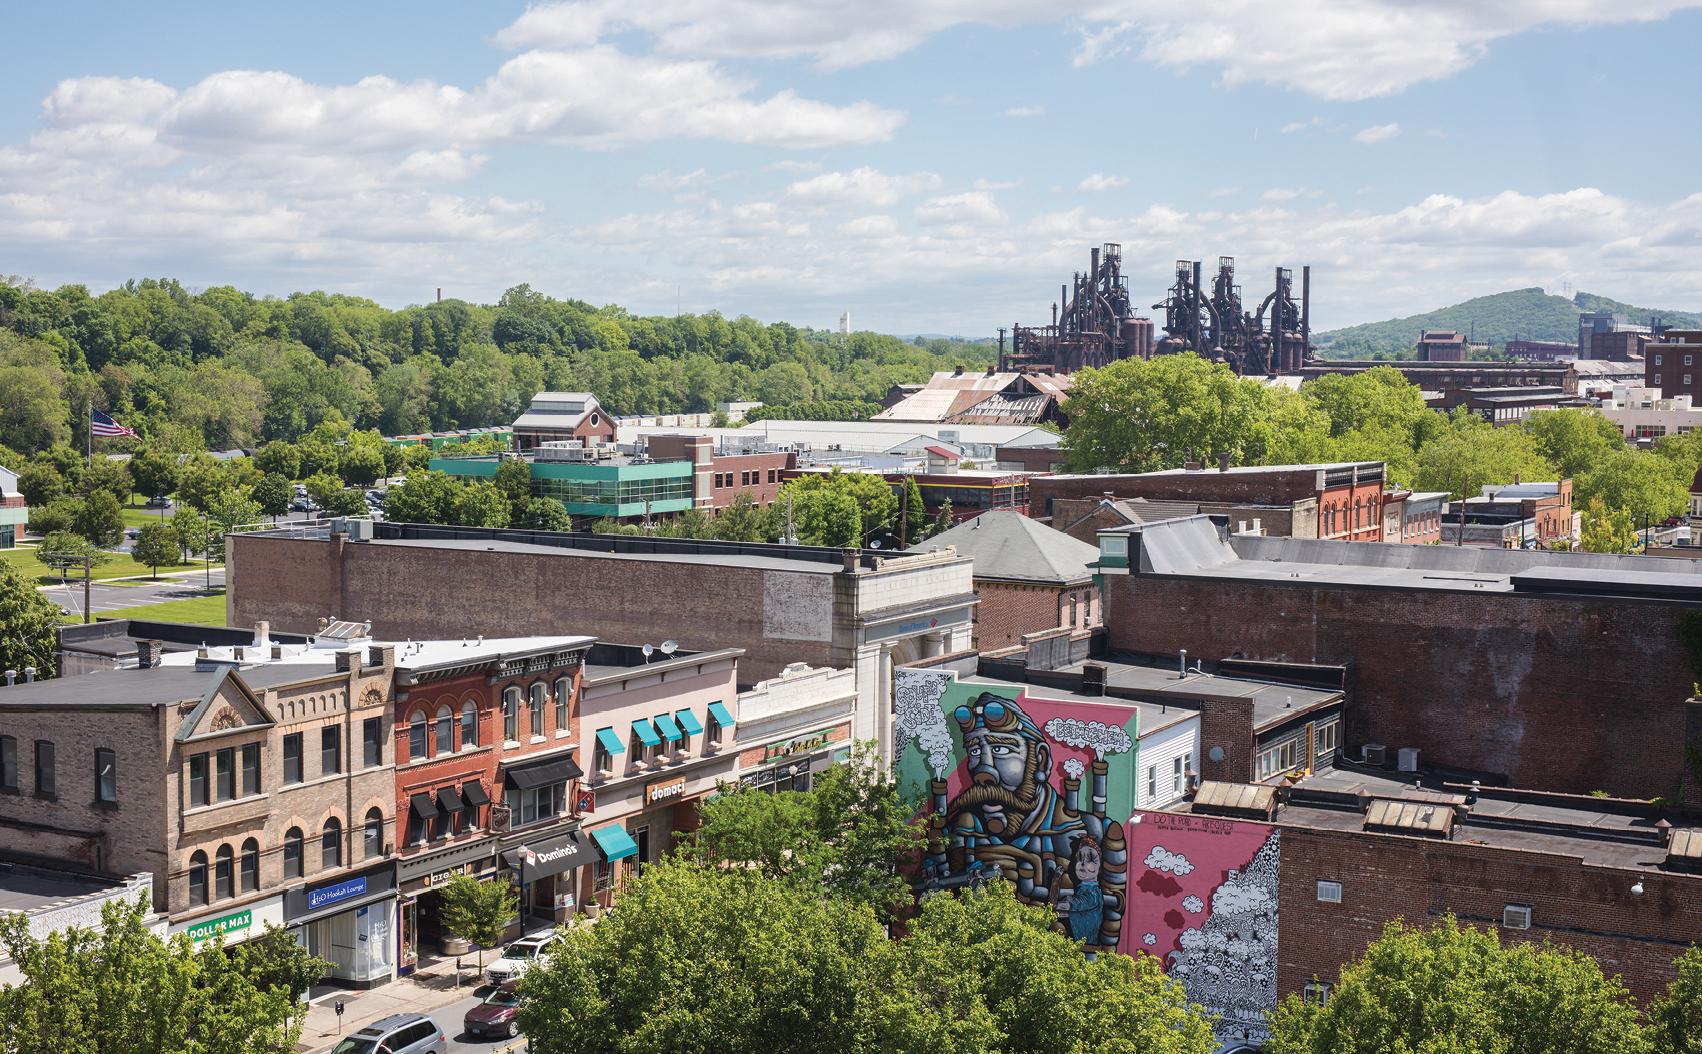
[{"x": 498, "y": 1015}]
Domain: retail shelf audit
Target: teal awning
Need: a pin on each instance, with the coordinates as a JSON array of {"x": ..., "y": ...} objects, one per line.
[
  {"x": 611, "y": 743},
  {"x": 646, "y": 733},
  {"x": 670, "y": 731},
  {"x": 614, "y": 842},
  {"x": 689, "y": 722},
  {"x": 719, "y": 712}
]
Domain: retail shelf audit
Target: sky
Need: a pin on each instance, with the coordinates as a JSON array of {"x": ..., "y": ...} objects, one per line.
[{"x": 930, "y": 166}]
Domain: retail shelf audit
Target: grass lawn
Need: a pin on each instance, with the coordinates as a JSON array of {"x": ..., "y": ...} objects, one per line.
[
  {"x": 118, "y": 565},
  {"x": 199, "y": 611},
  {"x": 136, "y": 516}
]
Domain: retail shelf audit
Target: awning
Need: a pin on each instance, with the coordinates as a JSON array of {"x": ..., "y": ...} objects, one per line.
[
  {"x": 612, "y": 744},
  {"x": 689, "y": 722},
  {"x": 551, "y": 856},
  {"x": 670, "y": 731},
  {"x": 614, "y": 843},
  {"x": 646, "y": 733},
  {"x": 557, "y": 769},
  {"x": 424, "y": 806},
  {"x": 448, "y": 799},
  {"x": 473, "y": 793},
  {"x": 719, "y": 712}
]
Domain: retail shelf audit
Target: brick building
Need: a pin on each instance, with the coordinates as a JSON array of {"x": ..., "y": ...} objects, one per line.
[
  {"x": 1514, "y": 516},
  {"x": 781, "y": 604},
  {"x": 14, "y": 511},
  {"x": 1672, "y": 363},
  {"x": 1536, "y": 669},
  {"x": 555, "y": 417},
  {"x": 1448, "y": 384},
  {"x": 1413, "y": 517},
  {"x": 723, "y": 469},
  {"x": 1441, "y": 345},
  {"x": 1540, "y": 350},
  {"x": 1083, "y": 518},
  {"x": 1342, "y": 501},
  {"x": 1030, "y": 578}
]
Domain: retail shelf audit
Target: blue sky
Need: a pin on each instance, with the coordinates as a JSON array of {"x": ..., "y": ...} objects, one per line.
[{"x": 931, "y": 165}]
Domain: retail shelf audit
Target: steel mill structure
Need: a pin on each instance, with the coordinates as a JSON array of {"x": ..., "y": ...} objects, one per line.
[{"x": 1095, "y": 326}]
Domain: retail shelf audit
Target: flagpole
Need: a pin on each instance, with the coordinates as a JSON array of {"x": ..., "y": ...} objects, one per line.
[{"x": 89, "y": 422}]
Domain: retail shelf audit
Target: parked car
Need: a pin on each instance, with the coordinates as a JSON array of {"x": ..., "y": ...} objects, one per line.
[
  {"x": 519, "y": 957},
  {"x": 132, "y": 533},
  {"x": 301, "y": 505},
  {"x": 158, "y": 503},
  {"x": 400, "y": 1034},
  {"x": 498, "y": 1015}
]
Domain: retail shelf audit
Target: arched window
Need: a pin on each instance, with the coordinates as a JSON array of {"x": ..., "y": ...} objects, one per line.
[
  {"x": 250, "y": 866},
  {"x": 294, "y": 854},
  {"x": 198, "y": 878},
  {"x": 331, "y": 845},
  {"x": 417, "y": 737},
  {"x": 374, "y": 833},
  {"x": 224, "y": 878},
  {"x": 511, "y": 714},
  {"x": 469, "y": 724},
  {"x": 564, "y": 693},
  {"x": 445, "y": 730},
  {"x": 535, "y": 704}
]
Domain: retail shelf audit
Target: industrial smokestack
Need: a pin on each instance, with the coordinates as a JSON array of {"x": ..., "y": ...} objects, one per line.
[{"x": 440, "y": 294}]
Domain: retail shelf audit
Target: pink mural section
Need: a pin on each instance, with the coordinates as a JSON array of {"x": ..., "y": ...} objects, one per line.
[{"x": 1203, "y": 899}]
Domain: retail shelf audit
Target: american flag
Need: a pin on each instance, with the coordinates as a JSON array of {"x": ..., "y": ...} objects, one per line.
[{"x": 104, "y": 426}]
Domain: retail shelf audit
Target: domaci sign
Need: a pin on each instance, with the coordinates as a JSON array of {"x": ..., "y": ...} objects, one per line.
[{"x": 665, "y": 789}]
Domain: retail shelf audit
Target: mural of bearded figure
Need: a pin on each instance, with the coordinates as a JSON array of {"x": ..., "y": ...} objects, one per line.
[{"x": 1009, "y": 819}]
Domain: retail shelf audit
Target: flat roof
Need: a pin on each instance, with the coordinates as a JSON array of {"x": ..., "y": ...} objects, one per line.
[
  {"x": 1155, "y": 717},
  {"x": 1273, "y": 702},
  {"x": 29, "y": 889},
  {"x": 773, "y": 563}
]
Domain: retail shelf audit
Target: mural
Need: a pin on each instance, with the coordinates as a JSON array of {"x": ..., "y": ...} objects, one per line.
[
  {"x": 1034, "y": 790},
  {"x": 1041, "y": 792},
  {"x": 1205, "y": 902}
]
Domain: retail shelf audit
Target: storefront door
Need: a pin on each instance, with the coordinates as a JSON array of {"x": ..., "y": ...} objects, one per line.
[
  {"x": 642, "y": 837},
  {"x": 410, "y": 942}
]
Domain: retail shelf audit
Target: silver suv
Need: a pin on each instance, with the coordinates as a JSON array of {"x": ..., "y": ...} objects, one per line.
[{"x": 401, "y": 1034}]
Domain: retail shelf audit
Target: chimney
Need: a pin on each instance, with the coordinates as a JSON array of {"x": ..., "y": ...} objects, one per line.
[
  {"x": 148, "y": 654},
  {"x": 346, "y": 660},
  {"x": 1223, "y": 461},
  {"x": 262, "y": 634}
]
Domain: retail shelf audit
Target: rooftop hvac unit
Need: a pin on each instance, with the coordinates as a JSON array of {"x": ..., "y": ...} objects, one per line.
[
  {"x": 1516, "y": 917},
  {"x": 1407, "y": 759},
  {"x": 1092, "y": 679},
  {"x": 1374, "y": 754}
]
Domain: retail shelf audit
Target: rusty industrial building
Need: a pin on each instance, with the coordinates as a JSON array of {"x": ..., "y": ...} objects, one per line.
[{"x": 1093, "y": 324}]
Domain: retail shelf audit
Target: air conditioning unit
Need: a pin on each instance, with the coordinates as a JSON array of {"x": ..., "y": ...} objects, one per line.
[
  {"x": 1374, "y": 754},
  {"x": 1516, "y": 917}
]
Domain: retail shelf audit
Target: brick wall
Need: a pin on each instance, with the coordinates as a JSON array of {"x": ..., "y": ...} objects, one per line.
[
  {"x": 1226, "y": 723},
  {"x": 1206, "y": 485},
  {"x": 1562, "y": 694},
  {"x": 759, "y": 476},
  {"x": 1383, "y": 877},
  {"x": 1009, "y": 610}
]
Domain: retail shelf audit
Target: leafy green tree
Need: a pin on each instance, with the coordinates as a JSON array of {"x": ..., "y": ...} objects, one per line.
[
  {"x": 60, "y": 514},
  {"x": 40, "y": 483},
  {"x": 63, "y": 550},
  {"x": 361, "y": 463},
  {"x": 1675, "y": 1019},
  {"x": 277, "y": 960},
  {"x": 273, "y": 494},
  {"x": 156, "y": 544},
  {"x": 480, "y": 504},
  {"x": 153, "y": 471},
  {"x": 101, "y": 519},
  {"x": 33, "y": 409},
  {"x": 478, "y": 912},
  {"x": 913, "y": 523},
  {"x": 1471, "y": 453},
  {"x": 229, "y": 509},
  {"x": 109, "y": 476},
  {"x": 349, "y": 501},
  {"x": 514, "y": 479},
  {"x": 279, "y": 458},
  {"x": 743, "y": 520},
  {"x": 1457, "y": 989},
  {"x": 1139, "y": 415},
  {"x": 426, "y": 497},
  {"x": 1645, "y": 484},
  {"x": 1607, "y": 530},
  {"x": 68, "y": 460},
  {"x": 199, "y": 478},
  {"x": 823, "y": 504},
  {"x": 1574, "y": 440},
  {"x": 28, "y": 621},
  {"x": 943, "y": 520},
  {"x": 119, "y": 987},
  {"x": 323, "y": 488},
  {"x": 543, "y": 514},
  {"x": 192, "y": 531}
]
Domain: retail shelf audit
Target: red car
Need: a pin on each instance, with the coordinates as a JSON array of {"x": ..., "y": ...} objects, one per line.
[{"x": 498, "y": 1015}]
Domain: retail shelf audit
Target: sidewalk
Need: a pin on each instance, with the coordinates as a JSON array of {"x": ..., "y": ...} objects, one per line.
[{"x": 427, "y": 989}]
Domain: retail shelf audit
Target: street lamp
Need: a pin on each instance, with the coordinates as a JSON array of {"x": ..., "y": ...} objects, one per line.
[{"x": 525, "y": 902}]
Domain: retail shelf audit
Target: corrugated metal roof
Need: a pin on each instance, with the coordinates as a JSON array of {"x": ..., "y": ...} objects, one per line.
[
  {"x": 1433, "y": 819},
  {"x": 1219, "y": 796}
]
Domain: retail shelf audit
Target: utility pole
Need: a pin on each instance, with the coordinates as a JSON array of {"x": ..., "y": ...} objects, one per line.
[{"x": 87, "y": 567}]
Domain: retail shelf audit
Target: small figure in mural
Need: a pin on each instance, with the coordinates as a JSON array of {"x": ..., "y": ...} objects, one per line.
[{"x": 1010, "y": 816}]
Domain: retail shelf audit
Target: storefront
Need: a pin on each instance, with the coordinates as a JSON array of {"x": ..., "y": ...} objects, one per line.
[
  {"x": 420, "y": 879},
  {"x": 787, "y": 764},
  {"x": 614, "y": 844},
  {"x": 347, "y": 922},
  {"x": 235, "y": 924},
  {"x": 544, "y": 869}
]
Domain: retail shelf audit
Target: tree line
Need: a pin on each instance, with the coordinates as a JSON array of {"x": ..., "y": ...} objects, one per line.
[{"x": 238, "y": 370}]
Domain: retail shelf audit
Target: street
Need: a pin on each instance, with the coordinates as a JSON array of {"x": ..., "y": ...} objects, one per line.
[
  {"x": 367, "y": 1007},
  {"x": 114, "y": 599}
]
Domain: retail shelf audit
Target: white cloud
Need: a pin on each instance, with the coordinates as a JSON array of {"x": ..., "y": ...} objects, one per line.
[
  {"x": 975, "y": 206},
  {"x": 1333, "y": 49},
  {"x": 1284, "y": 193},
  {"x": 669, "y": 181},
  {"x": 1377, "y": 133},
  {"x": 996, "y": 184},
  {"x": 1100, "y": 181},
  {"x": 862, "y": 186},
  {"x": 1300, "y": 126},
  {"x": 1026, "y": 111}
]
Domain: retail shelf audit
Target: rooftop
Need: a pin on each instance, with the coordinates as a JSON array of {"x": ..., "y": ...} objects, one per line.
[
  {"x": 30, "y": 889},
  {"x": 1134, "y": 678},
  {"x": 1005, "y": 544},
  {"x": 1155, "y": 716}
]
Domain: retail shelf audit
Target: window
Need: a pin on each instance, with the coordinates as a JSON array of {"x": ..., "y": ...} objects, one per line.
[
  {"x": 469, "y": 724},
  {"x": 46, "y": 783},
  {"x": 1326, "y": 740},
  {"x": 564, "y": 695},
  {"x": 372, "y": 741},
  {"x": 602, "y": 876},
  {"x": 712, "y": 732},
  {"x": 1657, "y": 360},
  {"x": 373, "y": 834},
  {"x": 106, "y": 776},
  {"x": 416, "y": 828},
  {"x": 331, "y": 845},
  {"x": 417, "y": 736},
  {"x": 198, "y": 878},
  {"x": 601, "y": 761},
  {"x": 773, "y": 475},
  {"x": 1315, "y": 992},
  {"x": 330, "y": 750},
  {"x": 224, "y": 878},
  {"x": 197, "y": 780},
  {"x": 1329, "y": 892},
  {"x": 250, "y": 866},
  {"x": 8, "y": 763},
  {"x": 293, "y": 853},
  {"x": 1687, "y": 380},
  {"x": 1687, "y": 360},
  {"x": 511, "y": 714},
  {"x": 1179, "y": 772},
  {"x": 535, "y": 705},
  {"x": 1152, "y": 781},
  {"x": 225, "y": 770},
  {"x": 1657, "y": 376},
  {"x": 292, "y": 758},
  {"x": 250, "y": 769},
  {"x": 1281, "y": 757},
  {"x": 542, "y": 803},
  {"x": 445, "y": 730}
]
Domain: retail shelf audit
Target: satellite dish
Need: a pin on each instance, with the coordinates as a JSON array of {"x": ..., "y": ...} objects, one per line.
[
  {"x": 647, "y": 650},
  {"x": 668, "y": 646}
]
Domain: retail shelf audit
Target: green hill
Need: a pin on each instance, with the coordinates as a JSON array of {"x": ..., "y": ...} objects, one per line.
[{"x": 1494, "y": 319}]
